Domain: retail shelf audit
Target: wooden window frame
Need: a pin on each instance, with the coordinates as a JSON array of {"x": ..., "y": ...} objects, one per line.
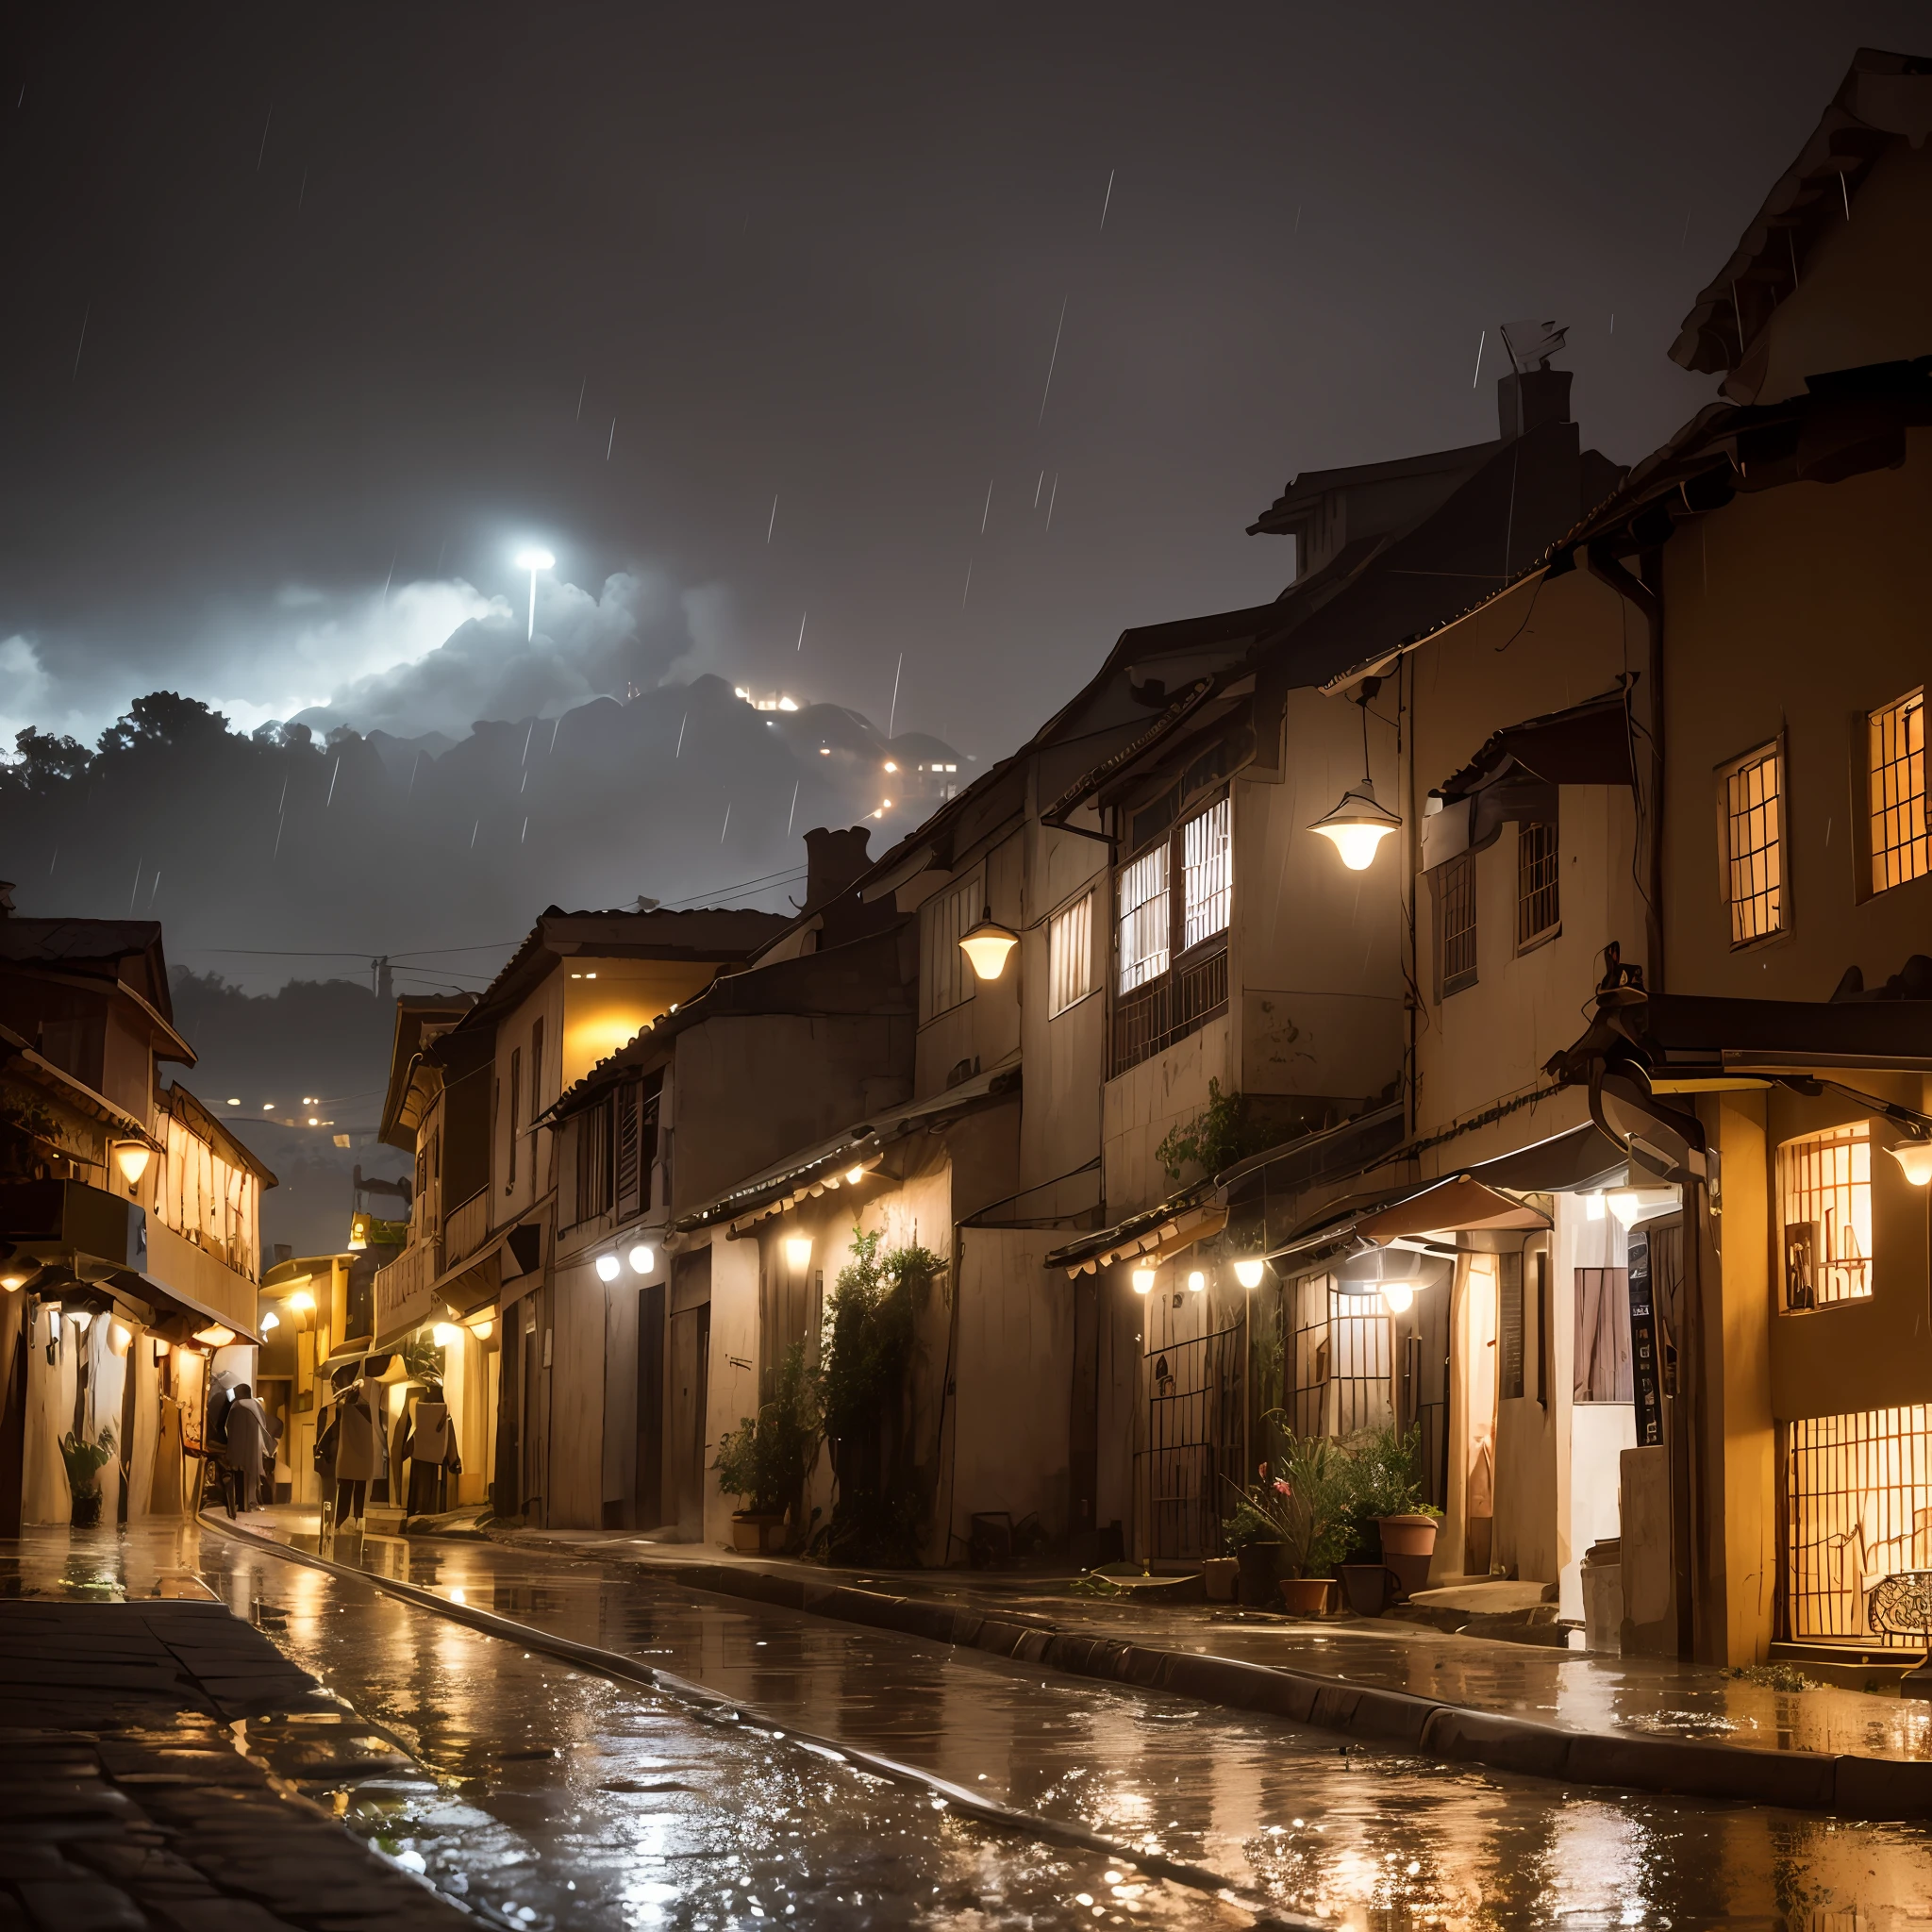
[
  {"x": 1531, "y": 887},
  {"x": 1732, "y": 769},
  {"x": 1452, "y": 882},
  {"x": 1077, "y": 915},
  {"x": 1890, "y": 806},
  {"x": 954, "y": 908}
]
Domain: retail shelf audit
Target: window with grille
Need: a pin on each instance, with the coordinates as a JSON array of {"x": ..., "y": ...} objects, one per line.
[
  {"x": 1143, "y": 918},
  {"x": 1824, "y": 1185},
  {"x": 594, "y": 1160},
  {"x": 946, "y": 979},
  {"x": 1207, "y": 874},
  {"x": 1536, "y": 914},
  {"x": 1455, "y": 912},
  {"x": 1753, "y": 845},
  {"x": 1070, "y": 955},
  {"x": 1857, "y": 1511},
  {"x": 1899, "y": 843}
]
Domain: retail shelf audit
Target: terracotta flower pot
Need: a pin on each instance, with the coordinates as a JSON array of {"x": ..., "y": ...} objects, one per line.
[
  {"x": 1306, "y": 1596},
  {"x": 755, "y": 1535},
  {"x": 1408, "y": 1543},
  {"x": 1368, "y": 1587}
]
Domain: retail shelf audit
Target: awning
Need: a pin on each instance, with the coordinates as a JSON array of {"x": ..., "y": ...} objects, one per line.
[
  {"x": 511, "y": 1257},
  {"x": 1579, "y": 1161},
  {"x": 815, "y": 1169},
  {"x": 1459, "y": 1204},
  {"x": 1149, "y": 1239},
  {"x": 168, "y": 1300}
]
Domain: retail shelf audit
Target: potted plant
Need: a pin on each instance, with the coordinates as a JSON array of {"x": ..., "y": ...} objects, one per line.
[
  {"x": 767, "y": 1458},
  {"x": 84, "y": 1462},
  {"x": 1253, "y": 1536},
  {"x": 1309, "y": 1500},
  {"x": 1386, "y": 1465}
]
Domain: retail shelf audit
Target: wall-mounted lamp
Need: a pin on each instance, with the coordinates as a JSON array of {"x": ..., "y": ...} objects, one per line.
[
  {"x": 131, "y": 1157},
  {"x": 797, "y": 1252},
  {"x": 1143, "y": 1281},
  {"x": 1197, "y": 1282},
  {"x": 1250, "y": 1270},
  {"x": 215, "y": 1335},
  {"x": 359, "y": 1232},
  {"x": 1915, "y": 1159},
  {"x": 302, "y": 1302},
  {"x": 608, "y": 1266},
  {"x": 853, "y": 1176},
  {"x": 643, "y": 1258},
  {"x": 1399, "y": 1295},
  {"x": 445, "y": 1334},
  {"x": 13, "y": 1280},
  {"x": 1359, "y": 823},
  {"x": 987, "y": 946},
  {"x": 482, "y": 1330}
]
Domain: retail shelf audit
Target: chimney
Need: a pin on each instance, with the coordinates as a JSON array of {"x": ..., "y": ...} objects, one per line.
[
  {"x": 832, "y": 862},
  {"x": 1528, "y": 401}
]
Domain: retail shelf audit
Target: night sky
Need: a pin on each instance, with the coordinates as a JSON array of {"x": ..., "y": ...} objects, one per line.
[{"x": 314, "y": 315}]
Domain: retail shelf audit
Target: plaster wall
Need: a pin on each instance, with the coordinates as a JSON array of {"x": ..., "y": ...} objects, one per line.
[
  {"x": 574, "y": 1498},
  {"x": 1140, "y": 1107},
  {"x": 1822, "y": 591},
  {"x": 732, "y": 1391}
]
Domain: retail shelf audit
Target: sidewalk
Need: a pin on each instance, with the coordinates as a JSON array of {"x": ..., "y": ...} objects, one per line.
[
  {"x": 1644, "y": 1722},
  {"x": 126, "y": 1800}
]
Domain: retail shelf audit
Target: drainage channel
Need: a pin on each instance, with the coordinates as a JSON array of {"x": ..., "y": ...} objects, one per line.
[{"x": 941, "y": 1793}]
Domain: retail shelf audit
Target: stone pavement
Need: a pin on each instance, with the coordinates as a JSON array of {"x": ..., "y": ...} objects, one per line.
[{"x": 154, "y": 1751}]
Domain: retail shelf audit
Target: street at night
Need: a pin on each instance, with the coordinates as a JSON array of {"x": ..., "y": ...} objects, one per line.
[{"x": 966, "y": 971}]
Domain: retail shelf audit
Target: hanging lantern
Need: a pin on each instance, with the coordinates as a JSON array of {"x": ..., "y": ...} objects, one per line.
[
  {"x": 987, "y": 945},
  {"x": 1359, "y": 823}
]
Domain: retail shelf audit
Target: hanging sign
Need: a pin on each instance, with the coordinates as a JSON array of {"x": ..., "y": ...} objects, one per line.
[{"x": 1647, "y": 1362}]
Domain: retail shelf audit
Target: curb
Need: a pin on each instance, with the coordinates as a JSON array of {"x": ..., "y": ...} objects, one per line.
[{"x": 1851, "y": 1786}]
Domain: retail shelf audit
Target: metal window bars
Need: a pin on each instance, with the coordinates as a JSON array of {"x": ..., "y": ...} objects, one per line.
[
  {"x": 1897, "y": 769},
  {"x": 1754, "y": 815}
]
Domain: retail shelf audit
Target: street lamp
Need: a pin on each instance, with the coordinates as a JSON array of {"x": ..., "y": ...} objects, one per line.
[
  {"x": 987, "y": 946},
  {"x": 533, "y": 561},
  {"x": 1359, "y": 823}
]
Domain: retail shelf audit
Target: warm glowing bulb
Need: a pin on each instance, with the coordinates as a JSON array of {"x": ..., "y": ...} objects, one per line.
[
  {"x": 271, "y": 1319},
  {"x": 891, "y": 766},
  {"x": 1249, "y": 1272},
  {"x": 987, "y": 946},
  {"x": 854, "y": 1174},
  {"x": 1196, "y": 1282},
  {"x": 1356, "y": 843},
  {"x": 131, "y": 1157},
  {"x": 215, "y": 1335},
  {"x": 301, "y": 1301},
  {"x": 797, "y": 1251},
  {"x": 1143, "y": 1281},
  {"x": 445, "y": 1334},
  {"x": 607, "y": 1267},
  {"x": 643, "y": 1259},
  {"x": 481, "y": 1330},
  {"x": 13, "y": 1282},
  {"x": 1915, "y": 1158},
  {"x": 1625, "y": 1204},
  {"x": 120, "y": 1337},
  {"x": 1399, "y": 1295},
  {"x": 1593, "y": 1207}
]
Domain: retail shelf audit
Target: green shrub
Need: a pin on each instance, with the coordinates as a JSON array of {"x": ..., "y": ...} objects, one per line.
[
  {"x": 85, "y": 1460},
  {"x": 767, "y": 1459}
]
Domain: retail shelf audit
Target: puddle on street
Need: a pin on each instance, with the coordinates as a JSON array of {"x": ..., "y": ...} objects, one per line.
[{"x": 587, "y": 1803}]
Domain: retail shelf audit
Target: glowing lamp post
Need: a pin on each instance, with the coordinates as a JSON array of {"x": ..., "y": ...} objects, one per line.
[{"x": 533, "y": 561}]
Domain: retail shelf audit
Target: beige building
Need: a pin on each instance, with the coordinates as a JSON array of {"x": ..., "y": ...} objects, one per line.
[{"x": 129, "y": 1224}]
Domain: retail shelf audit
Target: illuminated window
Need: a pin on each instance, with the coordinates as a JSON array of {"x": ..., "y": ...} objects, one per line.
[
  {"x": 1899, "y": 845},
  {"x": 947, "y": 978},
  {"x": 1753, "y": 845},
  {"x": 1537, "y": 907},
  {"x": 1070, "y": 955},
  {"x": 1207, "y": 874},
  {"x": 1824, "y": 1184},
  {"x": 1143, "y": 934},
  {"x": 1456, "y": 921}
]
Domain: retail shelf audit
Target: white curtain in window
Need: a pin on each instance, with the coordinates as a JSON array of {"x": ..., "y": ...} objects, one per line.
[
  {"x": 1070, "y": 955},
  {"x": 1143, "y": 918},
  {"x": 1207, "y": 874}
]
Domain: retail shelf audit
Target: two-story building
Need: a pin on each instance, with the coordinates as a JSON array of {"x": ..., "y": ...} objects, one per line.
[{"x": 129, "y": 1223}]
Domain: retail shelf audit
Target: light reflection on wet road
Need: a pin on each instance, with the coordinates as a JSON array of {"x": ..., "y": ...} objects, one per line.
[{"x": 586, "y": 1803}]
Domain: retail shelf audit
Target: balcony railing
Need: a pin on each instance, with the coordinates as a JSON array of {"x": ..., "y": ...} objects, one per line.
[
  {"x": 465, "y": 1227},
  {"x": 402, "y": 1289},
  {"x": 1153, "y": 1017}
]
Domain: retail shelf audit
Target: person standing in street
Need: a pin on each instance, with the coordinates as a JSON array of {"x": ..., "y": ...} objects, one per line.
[
  {"x": 358, "y": 1451},
  {"x": 249, "y": 1442}
]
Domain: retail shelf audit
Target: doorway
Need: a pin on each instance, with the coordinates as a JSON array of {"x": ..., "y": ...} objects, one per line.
[{"x": 650, "y": 1411}]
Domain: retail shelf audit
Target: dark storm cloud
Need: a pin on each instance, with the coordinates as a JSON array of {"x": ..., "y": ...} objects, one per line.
[{"x": 822, "y": 254}]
